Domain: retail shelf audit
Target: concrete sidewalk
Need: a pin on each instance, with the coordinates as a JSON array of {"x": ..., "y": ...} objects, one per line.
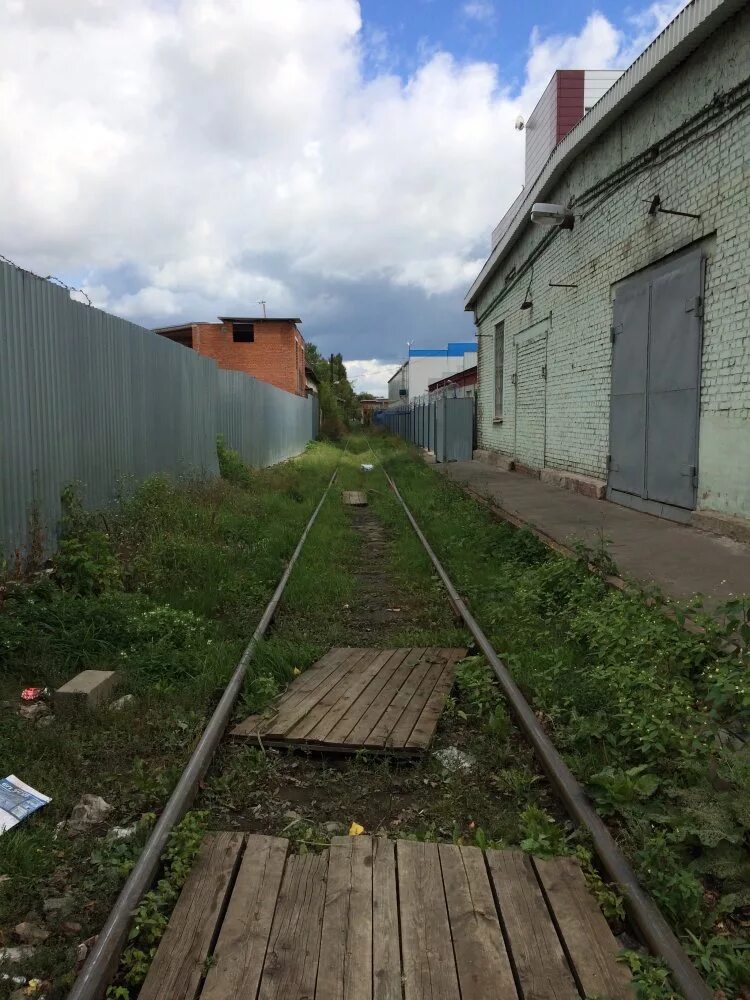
[{"x": 680, "y": 560}]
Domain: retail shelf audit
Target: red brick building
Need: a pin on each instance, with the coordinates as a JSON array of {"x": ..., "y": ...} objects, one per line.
[{"x": 271, "y": 350}]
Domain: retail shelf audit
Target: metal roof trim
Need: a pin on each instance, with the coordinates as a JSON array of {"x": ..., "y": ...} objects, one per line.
[
  {"x": 681, "y": 37},
  {"x": 258, "y": 319}
]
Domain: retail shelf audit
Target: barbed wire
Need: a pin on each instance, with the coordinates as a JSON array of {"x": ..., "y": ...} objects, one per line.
[{"x": 48, "y": 277}]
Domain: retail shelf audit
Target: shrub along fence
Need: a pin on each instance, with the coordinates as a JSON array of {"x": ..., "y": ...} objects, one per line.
[{"x": 88, "y": 398}]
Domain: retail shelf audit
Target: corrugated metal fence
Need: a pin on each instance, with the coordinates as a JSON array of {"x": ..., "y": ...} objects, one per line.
[
  {"x": 444, "y": 426},
  {"x": 86, "y": 397}
]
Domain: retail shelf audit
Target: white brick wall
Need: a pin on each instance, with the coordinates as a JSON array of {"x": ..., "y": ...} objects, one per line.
[{"x": 689, "y": 141}]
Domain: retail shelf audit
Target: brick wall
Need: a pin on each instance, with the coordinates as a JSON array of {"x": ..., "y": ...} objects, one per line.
[
  {"x": 689, "y": 141},
  {"x": 277, "y": 354}
]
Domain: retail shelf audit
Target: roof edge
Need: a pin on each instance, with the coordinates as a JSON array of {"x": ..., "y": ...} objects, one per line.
[{"x": 678, "y": 40}]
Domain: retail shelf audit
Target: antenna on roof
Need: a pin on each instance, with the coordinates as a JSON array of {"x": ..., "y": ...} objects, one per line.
[{"x": 262, "y": 302}]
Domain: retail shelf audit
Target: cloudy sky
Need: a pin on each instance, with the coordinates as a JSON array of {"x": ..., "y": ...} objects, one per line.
[{"x": 344, "y": 161}]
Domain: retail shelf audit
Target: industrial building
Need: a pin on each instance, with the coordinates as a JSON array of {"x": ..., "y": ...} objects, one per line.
[
  {"x": 269, "y": 349},
  {"x": 614, "y": 327},
  {"x": 428, "y": 364}
]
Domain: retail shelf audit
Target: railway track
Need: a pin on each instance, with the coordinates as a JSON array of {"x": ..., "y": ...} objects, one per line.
[{"x": 102, "y": 960}]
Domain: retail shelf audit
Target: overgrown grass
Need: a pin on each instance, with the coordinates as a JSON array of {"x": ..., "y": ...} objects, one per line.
[
  {"x": 166, "y": 588},
  {"x": 651, "y": 718}
]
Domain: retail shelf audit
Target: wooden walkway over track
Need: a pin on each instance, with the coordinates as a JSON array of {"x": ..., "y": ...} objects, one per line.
[
  {"x": 371, "y": 919},
  {"x": 382, "y": 700}
]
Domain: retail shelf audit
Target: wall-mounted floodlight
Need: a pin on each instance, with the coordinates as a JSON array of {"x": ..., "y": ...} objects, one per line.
[{"x": 547, "y": 214}]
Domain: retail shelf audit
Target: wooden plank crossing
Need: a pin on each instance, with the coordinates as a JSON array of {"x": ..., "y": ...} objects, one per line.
[
  {"x": 384, "y": 700},
  {"x": 354, "y": 498},
  {"x": 372, "y": 920}
]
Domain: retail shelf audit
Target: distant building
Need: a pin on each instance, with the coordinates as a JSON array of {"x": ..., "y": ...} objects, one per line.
[
  {"x": 398, "y": 385},
  {"x": 459, "y": 385},
  {"x": 370, "y": 406},
  {"x": 614, "y": 338},
  {"x": 426, "y": 365},
  {"x": 270, "y": 349}
]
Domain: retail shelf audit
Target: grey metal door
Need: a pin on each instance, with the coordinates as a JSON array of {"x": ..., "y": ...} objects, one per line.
[
  {"x": 459, "y": 431},
  {"x": 531, "y": 386},
  {"x": 656, "y": 361},
  {"x": 627, "y": 414}
]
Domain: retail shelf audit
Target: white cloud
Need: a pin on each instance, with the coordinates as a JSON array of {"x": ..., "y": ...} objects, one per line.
[
  {"x": 479, "y": 10},
  {"x": 370, "y": 376},
  {"x": 181, "y": 143}
]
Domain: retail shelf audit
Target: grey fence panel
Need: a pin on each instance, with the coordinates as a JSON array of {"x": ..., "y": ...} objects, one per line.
[
  {"x": 86, "y": 397},
  {"x": 264, "y": 424},
  {"x": 459, "y": 429}
]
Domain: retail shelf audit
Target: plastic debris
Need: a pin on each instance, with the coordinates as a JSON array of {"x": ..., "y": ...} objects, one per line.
[
  {"x": 453, "y": 759},
  {"x": 33, "y": 710},
  {"x": 16, "y": 954},
  {"x": 34, "y": 693},
  {"x": 88, "y": 812},
  {"x": 58, "y": 905},
  {"x": 122, "y": 832},
  {"x": 355, "y": 830},
  {"x": 127, "y": 699},
  {"x": 18, "y": 800},
  {"x": 367, "y": 467}
]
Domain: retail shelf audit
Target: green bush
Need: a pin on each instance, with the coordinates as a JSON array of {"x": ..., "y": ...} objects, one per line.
[
  {"x": 87, "y": 565},
  {"x": 231, "y": 466}
]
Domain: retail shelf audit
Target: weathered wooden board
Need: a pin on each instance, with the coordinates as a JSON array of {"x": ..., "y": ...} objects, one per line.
[
  {"x": 388, "y": 700},
  {"x": 243, "y": 939},
  {"x": 368, "y": 919},
  {"x": 536, "y": 948},
  {"x": 179, "y": 963},
  {"x": 354, "y": 498},
  {"x": 590, "y": 946}
]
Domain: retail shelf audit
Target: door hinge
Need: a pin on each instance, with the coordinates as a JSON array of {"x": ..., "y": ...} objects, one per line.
[
  {"x": 691, "y": 471},
  {"x": 609, "y": 461},
  {"x": 695, "y": 305},
  {"x": 514, "y": 379},
  {"x": 544, "y": 372},
  {"x": 614, "y": 330}
]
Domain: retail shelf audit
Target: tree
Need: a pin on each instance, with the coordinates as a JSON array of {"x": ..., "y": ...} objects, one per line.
[{"x": 338, "y": 401}]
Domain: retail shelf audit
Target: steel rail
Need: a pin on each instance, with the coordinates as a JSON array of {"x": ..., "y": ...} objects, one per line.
[
  {"x": 644, "y": 913},
  {"x": 101, "y": 963}
]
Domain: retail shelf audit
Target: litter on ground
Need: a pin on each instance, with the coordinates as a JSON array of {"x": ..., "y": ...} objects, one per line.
[{"x": 17, "y": 801}]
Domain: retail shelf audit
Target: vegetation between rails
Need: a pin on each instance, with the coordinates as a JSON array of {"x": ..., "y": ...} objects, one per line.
[
  {"x": 651, "y": 718},
  {"x": 170, "y": 585}
]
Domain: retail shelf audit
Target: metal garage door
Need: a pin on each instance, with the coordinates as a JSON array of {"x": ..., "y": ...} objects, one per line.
[{"x": 656, "y": 358}]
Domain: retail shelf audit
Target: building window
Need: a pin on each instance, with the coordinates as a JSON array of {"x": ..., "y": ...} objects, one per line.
[
  {"x": 499, "y": 365},
  {"x": 243, "y": 333}
]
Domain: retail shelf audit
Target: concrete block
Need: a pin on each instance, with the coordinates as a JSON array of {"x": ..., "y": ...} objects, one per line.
[
  {"x": 728, "y": 525},
  {"x": 85, "y": 691},
  {"x": 585, "y": 485},
  {"x": 494, "y": 458}
]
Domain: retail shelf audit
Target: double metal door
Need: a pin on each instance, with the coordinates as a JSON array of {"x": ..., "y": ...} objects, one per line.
[{"x": 656, "y": 364}]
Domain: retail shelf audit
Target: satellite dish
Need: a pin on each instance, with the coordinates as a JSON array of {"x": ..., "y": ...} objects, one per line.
[{"x": 520, "y": 123}]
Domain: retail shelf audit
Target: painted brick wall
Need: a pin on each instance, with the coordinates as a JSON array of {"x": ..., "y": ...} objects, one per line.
[
  {"x": 273, "y": 357},
  {"x": 689, "y": 141}
]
